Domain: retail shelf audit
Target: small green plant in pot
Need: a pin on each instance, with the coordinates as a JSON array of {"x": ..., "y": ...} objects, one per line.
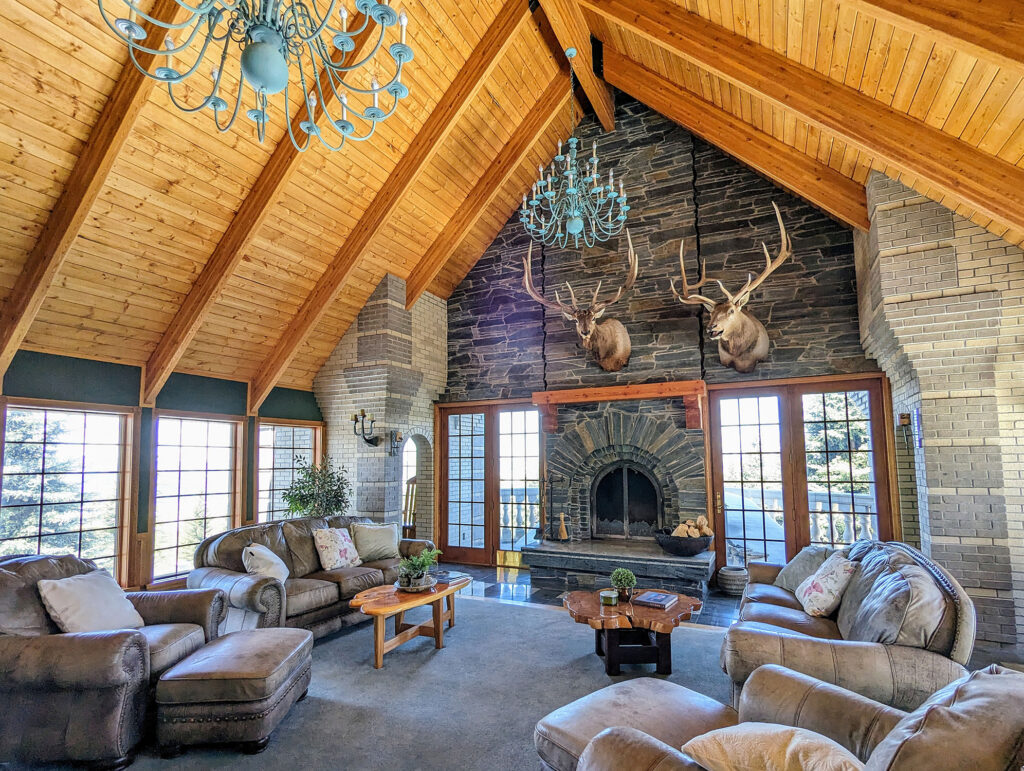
[
  {"x": 413, "y": 572},
  {"x": 318, "y": 490},
  {"x": 624, "y": 581}
]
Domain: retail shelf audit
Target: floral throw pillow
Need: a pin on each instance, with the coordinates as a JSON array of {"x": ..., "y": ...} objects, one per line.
[
  {"x": 821, "y": 592},
  {"x": 336, "y": 549}
]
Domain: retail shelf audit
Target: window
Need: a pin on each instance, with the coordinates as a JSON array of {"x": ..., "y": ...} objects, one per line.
[
  {"x": 196, "y": 478},
  {"x": 63, "y": 483},
  {"x": 408, "y": 461},
  {"x": 796, "y": 464},
  {"x": 281, "y": 448},
  {"x": 519, "y": 486}
]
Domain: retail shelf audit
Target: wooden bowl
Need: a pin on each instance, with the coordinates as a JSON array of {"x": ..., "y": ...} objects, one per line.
[{"x": 682, "y": 546}]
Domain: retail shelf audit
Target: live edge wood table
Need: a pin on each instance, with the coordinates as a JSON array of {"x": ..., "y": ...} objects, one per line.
[
  {"x": 628, "y": 633},
  {"x": 383, "y": 602}
]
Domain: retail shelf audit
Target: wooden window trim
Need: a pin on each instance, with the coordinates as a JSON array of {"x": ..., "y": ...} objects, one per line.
[
  {"x": 128, "y": 515},
  {"x": 794, "y": 473},
  {"x": 319, "y": 443}
]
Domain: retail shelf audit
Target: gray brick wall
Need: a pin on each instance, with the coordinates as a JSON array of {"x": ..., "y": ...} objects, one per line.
[{"x": 941, "y": 309}]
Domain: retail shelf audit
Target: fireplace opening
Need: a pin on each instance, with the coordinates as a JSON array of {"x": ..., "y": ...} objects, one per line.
[{"x": 625, "y": 502}]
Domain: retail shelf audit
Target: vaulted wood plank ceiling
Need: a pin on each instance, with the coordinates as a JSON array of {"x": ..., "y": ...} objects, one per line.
[{"x": 176, "y": 186}]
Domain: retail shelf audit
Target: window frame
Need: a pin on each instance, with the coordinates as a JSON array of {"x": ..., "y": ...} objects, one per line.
[
  {"x": 319, "y": 443},
  {"x": 790, "y": 392},
  {"x": 128, "y": 485},
  {"x": 237, "y": 494}
]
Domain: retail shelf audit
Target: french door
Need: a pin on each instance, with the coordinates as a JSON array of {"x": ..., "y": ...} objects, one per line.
[
  {"x": 799, "y": 463},
  {"x": 490, "y": 503}
]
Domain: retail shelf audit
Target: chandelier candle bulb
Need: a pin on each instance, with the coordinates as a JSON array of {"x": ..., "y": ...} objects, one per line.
[
  {"x": 343, "y": 13},
  {"x": 403, "y": 22}
]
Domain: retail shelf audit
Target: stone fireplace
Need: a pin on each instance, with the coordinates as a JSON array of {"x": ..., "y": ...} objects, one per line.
[{"x": 625, "y": 502}]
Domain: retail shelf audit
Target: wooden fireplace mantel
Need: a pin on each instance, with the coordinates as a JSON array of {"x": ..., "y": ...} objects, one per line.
[{"x": 694, "y": 394}]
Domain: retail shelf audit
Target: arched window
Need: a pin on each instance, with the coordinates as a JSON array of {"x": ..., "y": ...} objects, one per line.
[{"x": 408, "y": 461}]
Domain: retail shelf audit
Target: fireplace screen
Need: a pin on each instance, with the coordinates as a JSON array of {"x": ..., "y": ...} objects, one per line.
[{"x": 625, "y": 503}]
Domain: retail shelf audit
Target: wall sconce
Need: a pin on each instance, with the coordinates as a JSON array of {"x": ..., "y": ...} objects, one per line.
[
  {"x": 396, "y": 442},
  {"x": 359, "y": 428}
]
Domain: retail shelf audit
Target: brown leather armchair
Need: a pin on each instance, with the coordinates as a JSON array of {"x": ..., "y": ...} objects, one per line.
[{"x": 84, "y": 697}]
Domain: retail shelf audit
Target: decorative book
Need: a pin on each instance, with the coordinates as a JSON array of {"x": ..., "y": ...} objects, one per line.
[{"x": 662, "y": 600}]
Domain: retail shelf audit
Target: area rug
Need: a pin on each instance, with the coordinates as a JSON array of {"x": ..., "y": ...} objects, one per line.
[{"x": 471, "y": 705}]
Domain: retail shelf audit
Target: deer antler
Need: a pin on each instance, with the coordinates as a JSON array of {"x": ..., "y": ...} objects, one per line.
[
  {"x": 599, "y": 307},
  {"x": 785, "y": 250},
  {"x": 565, "y": 310},
  {"x": 687, "y": 297}
]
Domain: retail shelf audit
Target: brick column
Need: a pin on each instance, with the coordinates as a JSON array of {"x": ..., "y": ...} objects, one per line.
[
  {"x": 391, "y": 363},
  {"x": 941, "y": 310}
]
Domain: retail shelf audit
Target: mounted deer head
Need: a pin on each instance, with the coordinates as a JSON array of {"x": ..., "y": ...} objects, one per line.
[
  {"x": 607, "y": 340},
  {"x": 742, "y": 339}
]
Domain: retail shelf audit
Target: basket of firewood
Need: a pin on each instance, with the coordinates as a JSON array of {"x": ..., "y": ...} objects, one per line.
[{"x": 688, "y": 539}]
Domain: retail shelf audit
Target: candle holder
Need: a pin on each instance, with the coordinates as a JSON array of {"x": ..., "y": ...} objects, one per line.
[{"x": 359, "y": 420}]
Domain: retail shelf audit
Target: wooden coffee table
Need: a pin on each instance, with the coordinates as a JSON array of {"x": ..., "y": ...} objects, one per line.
[
  {"x": 628, "y": 633},
  {"x": 383, "y": 602}
]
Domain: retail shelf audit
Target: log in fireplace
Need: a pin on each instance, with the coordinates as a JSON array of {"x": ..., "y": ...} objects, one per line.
[{"x": 625, "y": 502}]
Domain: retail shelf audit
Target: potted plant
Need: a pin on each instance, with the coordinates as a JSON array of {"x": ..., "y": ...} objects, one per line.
[
  {"x": 414, "y": 571},
  {"x": 318, "y": 490},
  {"x": 624, "y": 581}
]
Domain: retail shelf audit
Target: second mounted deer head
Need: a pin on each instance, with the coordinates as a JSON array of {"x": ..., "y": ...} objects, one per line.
[
  {"x": 608, "y": 340},
  {"x": 742, "y": 339}
]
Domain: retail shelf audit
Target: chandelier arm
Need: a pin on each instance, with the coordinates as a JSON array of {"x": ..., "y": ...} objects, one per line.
[
  {"x": 287, "y": 112},
  {"x": 320, "y": 25},
  {"x": 134, "y": 45},
  {"x": 234, "y": 112},
  {"x": 201, "y": 10},
  {"x": 336, "y": 68}
]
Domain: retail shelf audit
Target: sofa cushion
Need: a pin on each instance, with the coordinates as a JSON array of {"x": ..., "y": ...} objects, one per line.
[
  {"x": 298, "y": 535},
  {"x": 375, "y": 542},
  {"x": 305, "y": 594},
  {"x": 974, "y": 722},
  {"x": 335, "y": 548},
  {"x": 351, "y": 581},
  {"x": 239, "y": 667},
  {"x": 819, "y": 594},
  {"x": 893, "y": 600},
  {"x": 261, "y": 561},
  {"x": 770, "y": 747},
  {"x": 170, "y": 643},
  {"x": 661, "y": 709},
  {"x": 770, "y": 595},
  {"x": 225, "y": 550},
  {"x": 21, "y": 609},
  {"x": 806, "y": 561},
  {"x": 90, "y": 602},
  {"x": 790, "y": 618},
  {"x": 389, "y": 567}
]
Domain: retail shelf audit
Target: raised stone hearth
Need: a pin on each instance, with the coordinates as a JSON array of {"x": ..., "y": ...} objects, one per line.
[{"x": 588, "y": 565}]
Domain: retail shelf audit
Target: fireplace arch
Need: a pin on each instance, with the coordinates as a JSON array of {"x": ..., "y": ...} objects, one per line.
[{"x": 625, "y": 502}]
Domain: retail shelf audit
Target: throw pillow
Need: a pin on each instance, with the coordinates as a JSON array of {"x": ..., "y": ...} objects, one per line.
[
  {"x": 375, "y": 542},
  {"x": 336, "y": 549},
  {"x": 259, "y": 559},
  {"x": 769, "y": 747},
  {"x": 807, "y": 560},
  {"x": 821, "y": 593},
  {"x": 90, "y": 602},
  {"x": 21, "y": 611}
]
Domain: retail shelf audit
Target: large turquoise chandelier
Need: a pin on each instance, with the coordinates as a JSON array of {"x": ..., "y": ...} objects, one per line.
[
  {"x": 570, "y": 202},
  {"x": 281, "y": 45}
]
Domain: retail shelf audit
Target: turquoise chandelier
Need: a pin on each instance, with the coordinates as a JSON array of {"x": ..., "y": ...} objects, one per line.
[
  {"x": 570, "y": 202},
  {"x": 280, "y": 45}
]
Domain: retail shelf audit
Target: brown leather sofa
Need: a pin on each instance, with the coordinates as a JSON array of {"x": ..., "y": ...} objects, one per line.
[
  {"x": 84, "y": 697},
  {"x": 310, "y": 598},
  {"x": 975, "y": 722},
  {"x": 904, "y": 628}
]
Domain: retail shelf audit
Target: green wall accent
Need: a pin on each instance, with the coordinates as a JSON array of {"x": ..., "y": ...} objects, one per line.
[
  {"x": 35, "y": 375},
  {"x": 291, "y": 404},
  {"x": 251, "y": 448},
  {"x": 203, "y": 394},
  {"x": 145, "y": 468}
]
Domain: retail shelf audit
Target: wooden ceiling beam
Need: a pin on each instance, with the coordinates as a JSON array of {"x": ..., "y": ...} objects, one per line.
[
  {"x": 87, "y": 178},
  {"x": 506, "y": 162},
  {"x": 992, "y": 29},
  {"x": 991, "y": 186},
  {"x": 478, "y": 67},
  {"x": 237, "y": 239},
  {"x": 572, "y": 31},
  {"x": 798, "y": 172}
]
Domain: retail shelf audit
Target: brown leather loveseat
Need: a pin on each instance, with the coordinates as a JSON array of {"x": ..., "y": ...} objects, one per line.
[
  {"x": 904, "y": 627},
  {"x": 310, "y": 598}
]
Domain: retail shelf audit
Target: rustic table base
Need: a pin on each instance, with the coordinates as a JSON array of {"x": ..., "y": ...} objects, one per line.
[{"x": 633, "y": 646}]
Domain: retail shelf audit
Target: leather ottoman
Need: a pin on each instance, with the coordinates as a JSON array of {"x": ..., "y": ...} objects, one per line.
[
  {"x": 234, "y": 690},
  {"x": 650, "y": 705}
]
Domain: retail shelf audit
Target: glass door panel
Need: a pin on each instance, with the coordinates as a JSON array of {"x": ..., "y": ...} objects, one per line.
[
  {"x": 464, "y": 529},
  {"x": 749, "y": 437},
  {"x": 842, "y": 498},
  {"x": 519, "y": 479}
]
